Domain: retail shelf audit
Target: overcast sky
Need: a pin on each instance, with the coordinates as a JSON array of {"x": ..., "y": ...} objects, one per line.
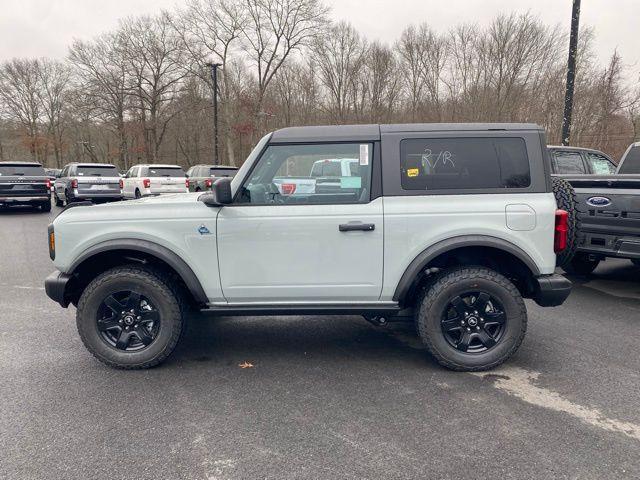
[{"x": 46, "y": 27}]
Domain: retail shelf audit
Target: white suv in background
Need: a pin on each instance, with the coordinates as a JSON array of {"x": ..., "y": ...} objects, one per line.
[{"x": 144, "y": 180}]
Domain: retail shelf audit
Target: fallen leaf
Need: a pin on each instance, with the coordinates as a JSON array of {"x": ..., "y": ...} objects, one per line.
[{"x": 246, "y": 365}]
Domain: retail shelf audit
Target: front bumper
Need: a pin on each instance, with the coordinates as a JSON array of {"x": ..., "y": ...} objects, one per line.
[
  {"x": 551, "y": 290},
  {"x": 55, "y": 285}
]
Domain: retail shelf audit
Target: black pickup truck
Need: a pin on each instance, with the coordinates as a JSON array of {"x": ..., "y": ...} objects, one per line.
[
  {"x": 608, "y": 205},
  {"x": 24, "y": 183}
]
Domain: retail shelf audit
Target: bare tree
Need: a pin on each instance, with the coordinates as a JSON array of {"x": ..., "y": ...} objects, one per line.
[
  {"x": 53, "y": 96},
  {"x": 102, "y": 71},
  {"x": 338, "y": 57},
  {"x": 20, "y": 86},
  {"x": 155, "y": 58},
  {"x": 274, "y": 30}
]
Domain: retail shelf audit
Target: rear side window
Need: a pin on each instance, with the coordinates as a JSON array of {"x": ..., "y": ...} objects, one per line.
[
  {"x": 569, "y": 162},
  {"x": 97, "y": 171},
  {"x": 464, "y": 163},
  {"x": 600, "y": 165},
  {"x": 631, "y": 162},
  {"x": 222, "y": 172},
  {"x": 22, "y": 170},
  {"x": 166, "y": 172}
]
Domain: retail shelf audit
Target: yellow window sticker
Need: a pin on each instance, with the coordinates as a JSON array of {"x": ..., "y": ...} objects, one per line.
[{"x": 413, "y": 172}]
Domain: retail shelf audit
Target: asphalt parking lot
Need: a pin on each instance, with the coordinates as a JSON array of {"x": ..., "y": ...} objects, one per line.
[{"x": 329, "y": 397}]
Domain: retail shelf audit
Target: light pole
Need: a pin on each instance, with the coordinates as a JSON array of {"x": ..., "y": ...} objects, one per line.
[
  {"x": 571, "y": 72},
  {"x": 214, "y": 80}
]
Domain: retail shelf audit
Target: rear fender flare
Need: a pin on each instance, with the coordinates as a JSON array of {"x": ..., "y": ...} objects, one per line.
[{"x": 418, "y": 264}]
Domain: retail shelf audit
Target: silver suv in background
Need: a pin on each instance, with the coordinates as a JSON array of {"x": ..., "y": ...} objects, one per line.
[
  {"x": 87, "y": 181},
  {"x": 145, "y": 180}
]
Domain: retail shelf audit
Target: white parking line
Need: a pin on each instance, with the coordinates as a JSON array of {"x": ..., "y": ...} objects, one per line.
[
  {"x": 519, "y": 383},
  {"x": 21, "y": 287}
]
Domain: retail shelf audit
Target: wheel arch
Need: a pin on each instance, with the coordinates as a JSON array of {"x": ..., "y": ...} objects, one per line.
[
  {"x": 110, "y": 253},
  {"x": 480, "y": 250}
]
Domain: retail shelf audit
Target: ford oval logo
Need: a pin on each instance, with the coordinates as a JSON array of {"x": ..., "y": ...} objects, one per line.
[{"x": 599, "y": 202}]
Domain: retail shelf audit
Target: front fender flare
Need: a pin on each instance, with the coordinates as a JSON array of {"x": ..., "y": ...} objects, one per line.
[{"x": 151, "y": 248}]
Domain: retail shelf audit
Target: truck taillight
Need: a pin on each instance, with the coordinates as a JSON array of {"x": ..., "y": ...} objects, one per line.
[
  {"x": 121, "y": 183},
  {"x": 48, "y": 183},
  {"x": 146, "y": 183},
  {"x": 288, "y": 188},
  {"x": 208, "y": 182},
  {"x": 74, "y": 183},
  {"x": 186, "y": 182},
  {"x": 561, "y": 231}
]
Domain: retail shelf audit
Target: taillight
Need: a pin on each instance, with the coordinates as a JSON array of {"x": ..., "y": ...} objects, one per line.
[
  {"x": 186, "y": 182},
  {"x": 208, "y": 183},
  {"x": 74, "y": 183},
  {"x": 121, "y": 183},
  {"x": 146, "y": 183},
  {"x": 48, "y": 183},
  {"x": 561, "y": 231},
  {"x": 288, "y": 188}
]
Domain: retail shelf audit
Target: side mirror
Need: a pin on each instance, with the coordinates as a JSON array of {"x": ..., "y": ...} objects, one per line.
[{"x": 220, "y": 194}]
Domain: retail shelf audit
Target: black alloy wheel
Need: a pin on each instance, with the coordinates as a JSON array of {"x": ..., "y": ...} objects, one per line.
[
  {"x": 473, "y": 322},
  {"x": 128, "y": 321}
]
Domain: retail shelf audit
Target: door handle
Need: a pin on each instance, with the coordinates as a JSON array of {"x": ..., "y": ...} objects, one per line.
[{"x": 352, "y": 227}]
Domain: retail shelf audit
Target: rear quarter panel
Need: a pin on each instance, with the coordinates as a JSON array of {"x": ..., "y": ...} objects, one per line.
[{"x": 412, "y": 224}]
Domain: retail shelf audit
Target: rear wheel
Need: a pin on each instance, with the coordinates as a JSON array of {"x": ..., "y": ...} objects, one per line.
[
  {"x": 566, "y": 200},
  {"x": 137, "y": 194},
  {"x": 59, "y": 202},
  {"x": 581, "y": 264},
  {"x": 471, "y": 319},
  {"x": 129, "y": 317}
]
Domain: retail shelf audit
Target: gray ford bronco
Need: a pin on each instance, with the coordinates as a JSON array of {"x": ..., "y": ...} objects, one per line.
[{"x": 446, "y": 225}]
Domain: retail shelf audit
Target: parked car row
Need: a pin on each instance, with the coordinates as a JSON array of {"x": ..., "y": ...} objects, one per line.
[{"x": 28, "y": 183}]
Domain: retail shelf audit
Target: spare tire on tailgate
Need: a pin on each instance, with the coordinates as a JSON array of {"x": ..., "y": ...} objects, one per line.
[{"x": 566, "y": 200}]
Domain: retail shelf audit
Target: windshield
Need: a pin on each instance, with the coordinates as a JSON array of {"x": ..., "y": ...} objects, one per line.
[
  {"x": 240, "y": 174},
  {"x": 22, "y": 170},
  {"x": 97, "y": 171},
  {"x": 166, "y": 172},
  {"x": 631, "y": 160}
]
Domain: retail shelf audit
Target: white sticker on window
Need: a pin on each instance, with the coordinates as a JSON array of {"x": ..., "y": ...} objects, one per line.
[{"x": 364, "y": 154}]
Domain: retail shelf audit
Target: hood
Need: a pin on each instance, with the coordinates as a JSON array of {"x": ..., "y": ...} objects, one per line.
[{"x": 161, "y": 207}]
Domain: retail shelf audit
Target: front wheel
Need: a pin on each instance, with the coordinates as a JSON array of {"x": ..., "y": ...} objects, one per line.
[
  {"x": 129, "y": 317},
  {"x": 471, "y": 319}
]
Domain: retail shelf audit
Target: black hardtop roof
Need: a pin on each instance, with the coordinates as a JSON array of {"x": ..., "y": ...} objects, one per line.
[{"x": 357, "y": 133}]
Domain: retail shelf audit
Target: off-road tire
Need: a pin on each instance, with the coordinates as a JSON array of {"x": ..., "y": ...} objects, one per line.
[
  {"x": 581, "y": 265},
  {"x": 46, "y": 206},
  {"x": 453, "y": 282},
  {"x": 566, "y": 200},
  {"x": 165, "y": 295}
]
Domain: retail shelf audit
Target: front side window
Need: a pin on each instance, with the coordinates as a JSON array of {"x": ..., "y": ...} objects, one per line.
[
  {"x": 464, "y": 163},
  {"x": 310, "y": 174},
  {"x": 569, "y": 162},
  {"x": 600, "y": 165}
]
